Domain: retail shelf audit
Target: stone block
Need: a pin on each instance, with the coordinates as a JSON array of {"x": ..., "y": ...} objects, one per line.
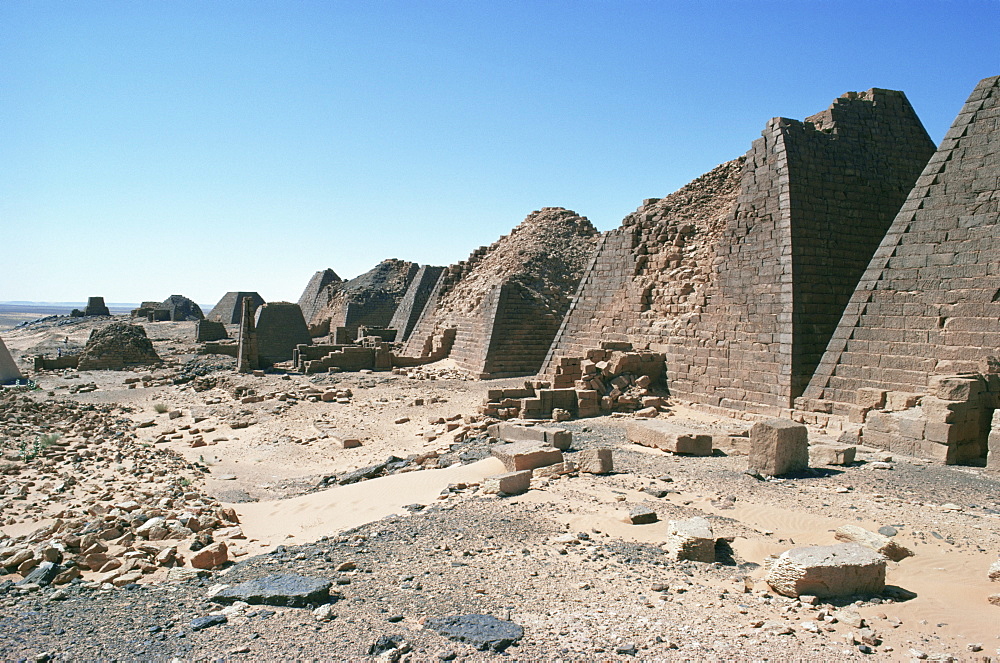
[
  {"x": 844, "y": 569},
  {"x": 690, "y": 539},
  {"x": 872, "y": 399},
  {"x": 778, "y": 447},
  {"x": 565, "y": 467},
  {"x": 955, "y": 388},
  {"x": 669, "y": 437},
  {"x": 346, "y": 442},
  {"x": 596, "y": 461},
  {"x": 517, "y": 456},
  {"x": 831, "y": 454},
  {"x": 560, "y": 438},
  {"x": 901, "y": 400},
  {"x": 873, "y": 541},
  {"x": 993, "y": 450},
  {"x": 211, "y": 556},
  {"x": 510, "y": 483},
  {"x": 641, "y": 515}
]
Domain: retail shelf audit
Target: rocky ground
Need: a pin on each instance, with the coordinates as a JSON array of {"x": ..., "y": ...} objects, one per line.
[{"x": 124, "y": 482}]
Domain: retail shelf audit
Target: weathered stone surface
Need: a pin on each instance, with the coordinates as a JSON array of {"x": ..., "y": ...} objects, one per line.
[
  {"x": 292, "y": 590},
  {"x": 994, "y": 572},
  {"x": 642, "y": 515},
  {"x": 230, "y": 307},
  {"x": 669, "y": 437},
  {"x": 9, "y": 372},
  {"x": 484, "y": 632},
  {"x": 181, "y": 308},
  {"x": 116, "y": 346},
  {"x": 42, "y": 574},
  {"x": 201, "y": 623},
  {"x": 778, "y": 447},
  {"x": 565, "y": 467},
  {"x": 831, "y": 454},
  {"x": 560, "y": 438},
  {"x": 595, "y": 461},
  {"x": 826, "y": 571},
  {"x": 877, "y": 542},
  {"x": 690, "y": 539},
  {"x": 510, "y": 483},
  {"x": 211, "y": 556},
  {"x": 517, "y": 456}
]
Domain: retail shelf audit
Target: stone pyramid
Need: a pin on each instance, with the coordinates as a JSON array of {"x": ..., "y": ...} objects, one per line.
[
  {"x": 740, "y": 277},
  {"x": 929, "y": 303},
  {"x": 8, "y": 369}
]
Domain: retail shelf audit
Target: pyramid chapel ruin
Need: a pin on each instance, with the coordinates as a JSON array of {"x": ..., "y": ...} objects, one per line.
[{"x": 843, "y": 272}]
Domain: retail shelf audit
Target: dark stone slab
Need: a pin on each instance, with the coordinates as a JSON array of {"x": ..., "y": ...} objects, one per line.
[
  {"x": 199, "y": 623},
  {"x": 291, "y": 590},
  {"x": 481, "y": 631},
  {"x": 42, "y": 574}
]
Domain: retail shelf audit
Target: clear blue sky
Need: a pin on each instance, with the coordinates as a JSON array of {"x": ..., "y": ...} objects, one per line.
[{"x": 174, "y": 147}]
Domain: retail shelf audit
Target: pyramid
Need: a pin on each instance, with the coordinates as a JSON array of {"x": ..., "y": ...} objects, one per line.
[
  {"x": 929, "y": 303},
  {"x": 8, "y": 369},
  {"x": 230, "y": 307},
  {"x": 740, "y": 277},
  {"x": 309, "y": 301}
]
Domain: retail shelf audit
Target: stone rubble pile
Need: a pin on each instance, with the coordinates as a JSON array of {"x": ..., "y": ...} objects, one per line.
[{"x": 110, "y": 508}]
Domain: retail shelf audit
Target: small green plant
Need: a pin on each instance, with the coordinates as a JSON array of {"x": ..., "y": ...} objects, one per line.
[
  {"x": 41, "y": 443},
  {"x": 160, "y": 408},
  {"x": 185, "y": 482}
]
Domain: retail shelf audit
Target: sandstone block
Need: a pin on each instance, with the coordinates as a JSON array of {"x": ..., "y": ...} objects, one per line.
[
  {"x": 994, "y": 572},
  {"x": 510, "y": 483},
  {"x": 641, "y": 515},
  {"x": 596, "y": 461},
  {"x": 870, "y": 398},
  {"x": 346, "y": 442},
  {"x": 691, "y": 539},
  {"x": 844, "y": 569},
  {"x": 955, "y": 388},
  {"x": 211, "y": 556},
  {"x": 778, "y": 446},
  {"x": 669, "y": 437},
  {"x": 565, "y": 467},
  {"x": 560, "y": 438},
  {"x": 831, "y": 454},
  {"x": 871, "y": 540},
  {"x": 517, "y": 456}
]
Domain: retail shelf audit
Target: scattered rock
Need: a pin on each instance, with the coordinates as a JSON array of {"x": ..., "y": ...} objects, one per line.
[
  {"x": 481, "y": 631},
  {"x": 827, "y": 571},
  {"x": 290, "y": 590}
]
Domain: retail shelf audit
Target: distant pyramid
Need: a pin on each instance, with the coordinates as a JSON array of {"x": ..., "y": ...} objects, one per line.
[
  {"x": 230, "y": 307},
  {"x": 310, "y": 302}
]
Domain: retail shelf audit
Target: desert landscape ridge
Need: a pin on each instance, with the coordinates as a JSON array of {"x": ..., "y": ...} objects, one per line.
[{"x": 759, "y": 420}]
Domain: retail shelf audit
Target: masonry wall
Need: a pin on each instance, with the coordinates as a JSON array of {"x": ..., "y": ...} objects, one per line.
[
  {"x": 929, "y": 302},
  {"x": 740, "y": 276},
  {"x": 412, "y": 305}
]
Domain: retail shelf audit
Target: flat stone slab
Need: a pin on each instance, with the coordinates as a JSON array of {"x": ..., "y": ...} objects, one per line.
[
  {"x": 845, "y": 569},
  {"x": 560, "y": 438},
  {"x": 291, "y": 590},
  {"x": 481, "y": 631},
  {"x": 517, "y": 456},
  {"x": 877, "y": 542},
  {"x": 669, "y": 437}
]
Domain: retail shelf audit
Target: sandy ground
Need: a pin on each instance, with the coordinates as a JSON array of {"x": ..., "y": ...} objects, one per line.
[{"x": 269, "y": 472}]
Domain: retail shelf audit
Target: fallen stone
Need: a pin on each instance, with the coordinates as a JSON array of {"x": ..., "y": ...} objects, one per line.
[
  {"x": 347, "y": 442},
  {"x": 201, "y": 623},
  {"x": 565, "y": 467},
  {"x": 368, "y": 472},
  {"x": 290, "y": 590},
  {"x": 844, "y": 569},
  {"x": 642, "y": 515},
  {"x": 517, "y": 456},
  {"x": 211, "y": 556},
  {"x": 994, "y": 572},
  {"x": 510, "y": 483},
  {"x": 778, "y": 447},
  {"x": 690, "y": 539},
  {"x": 669, "y": 437},
  {"x": 831, "y": 454},
  {"x": 873, "y": 541},
  {"x": 560, "y": 438},
  {"x": 42, "y": 574},
  {"x": 595, "y": 461},
  {"x": 484, "y": 632}
]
